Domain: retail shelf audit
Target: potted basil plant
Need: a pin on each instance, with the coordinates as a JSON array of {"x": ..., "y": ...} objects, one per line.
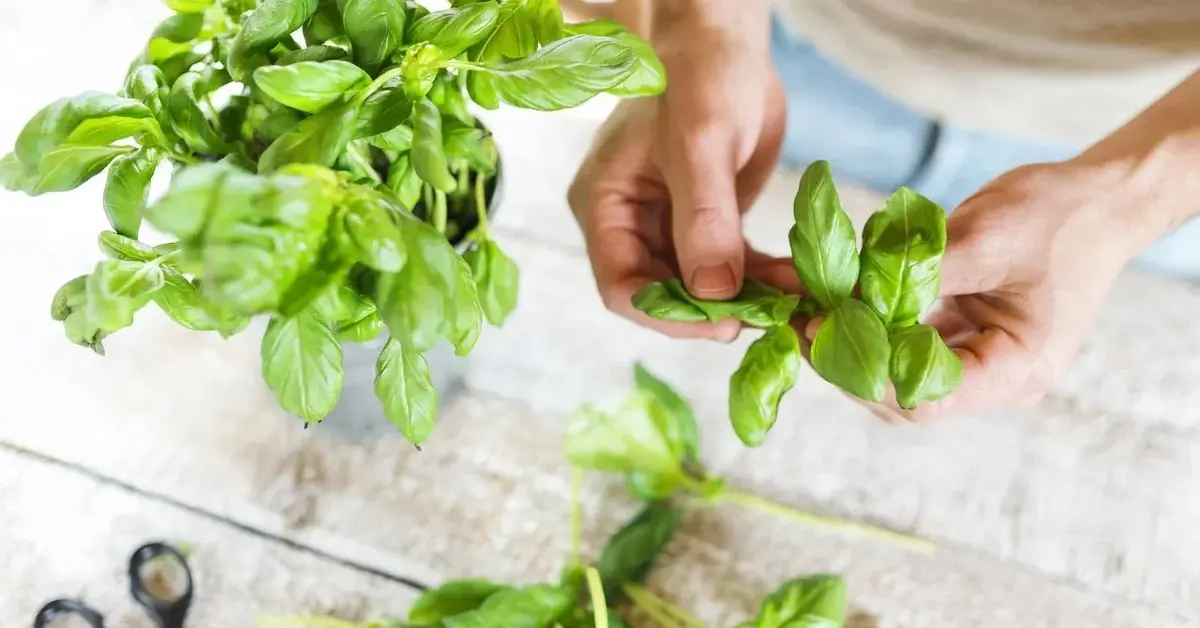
[{"x": 327, "y": 174}]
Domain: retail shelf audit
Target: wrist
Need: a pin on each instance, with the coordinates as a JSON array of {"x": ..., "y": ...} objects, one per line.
[{"x": 1147, "y": 188}]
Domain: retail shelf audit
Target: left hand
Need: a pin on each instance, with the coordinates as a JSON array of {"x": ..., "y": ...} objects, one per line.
[{"x": 1030, "y": 259}]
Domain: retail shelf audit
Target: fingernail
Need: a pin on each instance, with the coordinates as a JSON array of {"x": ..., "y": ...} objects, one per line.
[
  {"x": 810, "y": 330},
  {"x": 712, "y": 279}
]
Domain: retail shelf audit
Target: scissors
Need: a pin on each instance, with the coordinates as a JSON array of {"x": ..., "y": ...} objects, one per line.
[{"x": 166, "y": 613}]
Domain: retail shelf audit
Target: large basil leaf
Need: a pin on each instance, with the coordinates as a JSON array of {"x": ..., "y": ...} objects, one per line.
[
  {"x": 315, "y": 54},
  {"x": 362, "y": 325},
  {"x": 128, "y": 189},
  {"x": 317, "y": 140},
  {"x": 180, "y": 299},
  {"x": 116, "y": 246},
  {"x": 536, "y": 606},
  {"x": 189, "y": 118},
  {"x": 468, "y": 315},
  {"x": 429, "y": 151},
  {"x": 631, "y": 552},
  {"x": 382, "y": 111},
  {"x": 922, "y": 367},
  {"x": 375, "y": 29},
  {"x": 146, "y": 83},
  {"x": 419, "y": 303},
  {"x": 117, "y": 289},
  {"x": 902, "y": 252},
  {"x": 310, "y": 86},
  {"x": 671, "y": 414},
  {"x": 452, "y": 598},
  {"x": 649, "y": 77},
  {"x": 302, "y": 365},
  {"x": 268, "y": 24},
  {"x": 809, "y": 602},
  {"x": 195, "y": 193},
  {"x": 373, "y": 232},
  {"x": 454, "y": 30},
  {"x": 404, "y": 386},
  {"x": 189, "y": 6},
  {"x": 546, "y": 18},
  {"x": 13, "y": 176},
  {"x": 70, "y": 166},
  {"x": 668, "y": 301},
  {"x": 497, "y": 279},
  {"x": 851, "y": 350},
  {"x": 758, "y": 304},
  {"x": 398, "y": 139},
  {"x": 404, "y": 182},
  {"x": 513, "y": 38},
  {"x": 622, "y": 439},
  {"x": 326, "y": 24},
  {"x": 564, "y": 74},
  {"x": 768, "y": 371},
  {"x": 824, "y": 250}
]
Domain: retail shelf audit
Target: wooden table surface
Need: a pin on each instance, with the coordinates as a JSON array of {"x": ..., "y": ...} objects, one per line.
[{"x": 1082, "y": 512}]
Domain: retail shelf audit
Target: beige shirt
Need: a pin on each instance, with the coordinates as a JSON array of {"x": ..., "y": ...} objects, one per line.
[{"x": 1051, "y": 69}]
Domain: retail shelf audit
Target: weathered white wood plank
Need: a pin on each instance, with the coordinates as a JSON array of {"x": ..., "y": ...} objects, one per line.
[{"x": 68, "y": 535}]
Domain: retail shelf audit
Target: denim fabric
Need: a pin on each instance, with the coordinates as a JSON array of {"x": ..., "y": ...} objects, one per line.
[{"x": 874, "y": 141}]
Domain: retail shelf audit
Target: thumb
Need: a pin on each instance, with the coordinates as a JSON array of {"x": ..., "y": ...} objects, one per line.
[
  {"x": 706, "y": 222},
  {"x": 973, "y": 263}
]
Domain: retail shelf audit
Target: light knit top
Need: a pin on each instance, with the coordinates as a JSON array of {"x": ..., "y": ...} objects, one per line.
[{"x": 1045, "y": 69}]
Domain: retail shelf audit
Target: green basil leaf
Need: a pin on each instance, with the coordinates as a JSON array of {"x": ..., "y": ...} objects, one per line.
[
  {"x": 768, "y": 371},
  {"x": 265, "y": 26},
  {"x": 497, "y": 280},
  {"x": 419, "y": 70},
  {"x": 362, "y": 325},
  {"x": 325, "y": 25},
  {"x": 310, "y": 86},
  {"x": 824, "y": 250},
  {"x": 383, "y": 111},
  {"x": 398, "y": 139},
  {"x": 671, "y": 414},
  {"x": 456, "y": 29},
  {"x": 452, "y": 598},
  {"x": 277, "y": 123},
  {"x": 418, "y": 303},
  {"x": 375, "y": 29},
  {"x": 117, "y": 289},
  {"x": 194, "y": 193},
  {"x": 537, "y": 606},
  {"x": 180, "y": 299},
  {"x": 468, "y": 318},
  {"x": 622, "y": 439},
  {"x": 922, "y": 367},
  {"x": 226, "y": 321},
  {"x": 317, "y": 140},
  {"x": 70, "y": 305},
  {"x": 546, "y": 18},
  {"x": 13, "y": 175},
  {"x": 448, "y": 95},
  {"x": 631, "y": 552},
  {"x": 128, "y": 189},
  {"x": 902, "y": 252},
  {"x": 302, "y": 365},
  {"x": 649, "y": 77},
  {"x": 146, "y": 84},
  {"x": 648, "y": 487},
  {"x": 513, "y": 38},
  {"x": 810, "y": 602},
  {"x": 668, "y": 301},
  {"x": 181, "y": 28},
  {"x": 357, "y": 160},
  {"x": 69, "y": 167},
  {"x": 851, "y": 350},
  {"x": 373, "y": 232},
  {"x": 314, "y": 54},
  {"x": 428, "y": 151},
  {"x": 564, "y": 74},
  {"x": 189, "y": 6},
  {"x": 117, "y": 246},
  {"x": 404, "y": 182},
  {"x": 467, "y": 148},
  {"x": 189, "y": 119},
  {"x": 51, "y": 127},
  {"x": 404, "y": 386},
  {"x": 335, "y": 302}
]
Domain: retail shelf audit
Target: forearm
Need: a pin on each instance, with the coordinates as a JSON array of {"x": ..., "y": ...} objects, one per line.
[{"x": 1150, "y": 167}]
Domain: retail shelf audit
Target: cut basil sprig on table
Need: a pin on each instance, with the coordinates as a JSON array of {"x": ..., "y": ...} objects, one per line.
[
  {"x": 327, "y": 173},
  {"x": 870, "y": 300}
]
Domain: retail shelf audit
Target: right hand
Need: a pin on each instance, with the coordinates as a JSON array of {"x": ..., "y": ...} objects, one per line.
[{"x": 663, "y": 188}]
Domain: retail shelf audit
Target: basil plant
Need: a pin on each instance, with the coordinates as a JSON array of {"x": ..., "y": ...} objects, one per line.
[
  {"x": 326, "y": 172},
  {"x": 870, "y": 301}
]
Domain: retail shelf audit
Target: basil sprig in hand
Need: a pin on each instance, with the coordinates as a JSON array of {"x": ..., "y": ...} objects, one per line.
[
  {"x": 870, "y": 299},
  {"x": 326, "y": 171}
]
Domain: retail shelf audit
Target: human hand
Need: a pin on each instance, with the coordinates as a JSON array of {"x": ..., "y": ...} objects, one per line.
[
  {"x": 1029, "y": 260},
  {"x": 663, "y": 188}
]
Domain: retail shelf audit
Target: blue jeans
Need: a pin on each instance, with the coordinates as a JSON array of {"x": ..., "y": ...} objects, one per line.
[{"x": 874, "y": 141}]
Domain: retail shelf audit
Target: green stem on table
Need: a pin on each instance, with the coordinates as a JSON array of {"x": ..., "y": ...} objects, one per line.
[
  {"x": 439, "y": 211},
  {"x": 660, "y": 610},
  {"x": 599, "y": 605},
  {"x": 576, "y": 516},
  {"x": 766, "y": 506},
  {"x": 481, "y": 206}
]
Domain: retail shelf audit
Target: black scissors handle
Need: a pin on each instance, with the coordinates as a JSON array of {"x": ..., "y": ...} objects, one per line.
[
  {"x": 64, "y": 607},
  {"x": 167, "y": 613}
]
